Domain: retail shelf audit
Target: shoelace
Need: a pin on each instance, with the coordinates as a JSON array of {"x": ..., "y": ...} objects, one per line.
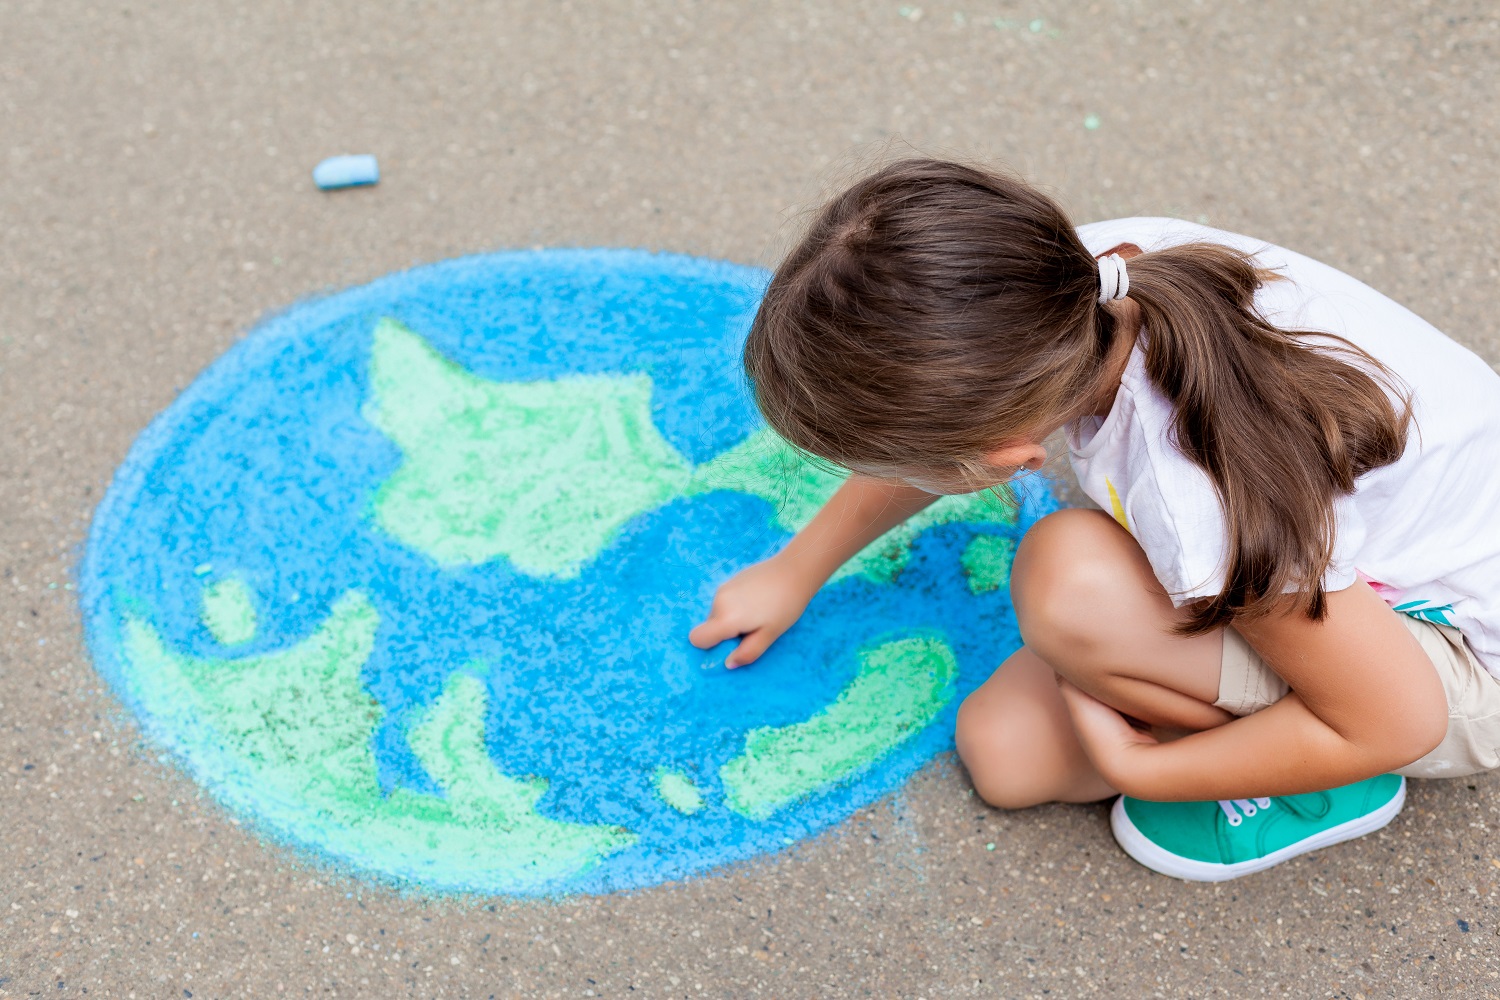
[{"x": 1247, "y": 806}]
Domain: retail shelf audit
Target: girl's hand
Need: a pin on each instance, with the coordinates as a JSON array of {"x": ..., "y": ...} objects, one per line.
[
  {"x": 758, "y": 603},
  {"x": 1116, "y": 748}
]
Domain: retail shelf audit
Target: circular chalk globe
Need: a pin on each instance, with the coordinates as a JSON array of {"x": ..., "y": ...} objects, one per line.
[{"x": 405, "y": 580}]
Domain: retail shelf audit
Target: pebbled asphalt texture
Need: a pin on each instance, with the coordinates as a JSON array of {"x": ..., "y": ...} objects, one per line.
[{"x": 155, "y": 201}]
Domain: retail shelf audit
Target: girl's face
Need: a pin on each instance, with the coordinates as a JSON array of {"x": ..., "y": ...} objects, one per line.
[
  {"x": 996, "y": 467},
  {"x": 947, "y": 482},
  {"x": 951, "y": 485}
]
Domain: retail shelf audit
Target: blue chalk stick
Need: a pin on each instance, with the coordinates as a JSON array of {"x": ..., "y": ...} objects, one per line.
[{"x": 346, "y": 171}]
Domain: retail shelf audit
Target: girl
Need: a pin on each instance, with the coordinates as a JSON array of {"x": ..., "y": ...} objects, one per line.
[{"x": 1282, "y": 456}]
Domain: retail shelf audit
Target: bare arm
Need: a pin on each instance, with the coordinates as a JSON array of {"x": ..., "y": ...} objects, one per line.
[
  {"x": 1365, "y": 700},
  {"x": 762, "y": 601},
  {"x": 860, "y": 511}
]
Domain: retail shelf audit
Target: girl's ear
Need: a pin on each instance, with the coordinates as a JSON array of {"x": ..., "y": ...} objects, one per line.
[
  {"x": 1023, "y": 454},
  {"x": 1126, "y": 250}
]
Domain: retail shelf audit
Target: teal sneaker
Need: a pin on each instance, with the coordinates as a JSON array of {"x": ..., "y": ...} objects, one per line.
[{"x": 1216, "y": 841}]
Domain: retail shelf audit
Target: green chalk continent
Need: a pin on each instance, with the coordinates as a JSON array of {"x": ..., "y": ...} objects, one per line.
[
  {"x": 768, "y": 467},
  {"x": 900, "y": 687},
  {"x": 543, "y": 473},
  {"x": 677, "y": 790},
  {"x": 299, "y": 723},
  {"x": 228, "y": 612}
]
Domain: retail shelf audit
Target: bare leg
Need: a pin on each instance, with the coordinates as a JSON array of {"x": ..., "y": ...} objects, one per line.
[
  {"x": 1089, "y": 605},
  {"x": 1090, "y": 609},
  {"x": 1016, "y": 738}
]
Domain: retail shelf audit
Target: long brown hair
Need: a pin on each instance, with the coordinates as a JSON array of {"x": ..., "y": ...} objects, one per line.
[{"x": 935, "y": 310}]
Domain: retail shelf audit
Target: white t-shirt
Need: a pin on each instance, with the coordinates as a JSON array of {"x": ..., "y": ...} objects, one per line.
[{"x": 1424, "y": 531}]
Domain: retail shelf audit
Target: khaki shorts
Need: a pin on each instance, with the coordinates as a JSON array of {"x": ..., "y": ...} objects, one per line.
[{"x": 1472, "y": 745}]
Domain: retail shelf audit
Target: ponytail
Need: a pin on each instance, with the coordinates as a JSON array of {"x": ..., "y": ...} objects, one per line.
[
  {"x": 1283, "y": 422},
  {"x": 934, "y": 309}
]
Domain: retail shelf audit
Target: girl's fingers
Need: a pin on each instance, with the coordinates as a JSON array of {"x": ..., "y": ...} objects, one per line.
[
  {"x": 1080, "y": 702},
  {"x": 1099, "y": 726},
  {"x": 750, "y": 648},
  {"x": 1107, "y": 737},
  {"x": 712, "y": 632}
]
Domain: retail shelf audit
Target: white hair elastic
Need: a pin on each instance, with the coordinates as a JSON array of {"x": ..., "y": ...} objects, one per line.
[{"x": 1114, "y": 283}]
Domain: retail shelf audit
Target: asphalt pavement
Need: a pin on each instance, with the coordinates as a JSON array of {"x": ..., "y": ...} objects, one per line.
[{"x": 155, "y": 201}]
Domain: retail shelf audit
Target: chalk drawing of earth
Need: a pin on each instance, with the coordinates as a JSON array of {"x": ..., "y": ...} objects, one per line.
[{"x": 405, "y": 579}]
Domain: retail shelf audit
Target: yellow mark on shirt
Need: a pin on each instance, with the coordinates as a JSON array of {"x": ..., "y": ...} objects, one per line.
[{"x": 1115, "y": 505}]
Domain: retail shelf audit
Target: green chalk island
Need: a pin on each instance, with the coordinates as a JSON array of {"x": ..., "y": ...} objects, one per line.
[
  {"x": 900, "y": 687},
  {"x": 677, "y": 790},
  {"x": 228, "y": 612},
  {"x": 986, "y": 562},
  {"x": 297, "y": 724},
  {"x": 483, "y": 462}
]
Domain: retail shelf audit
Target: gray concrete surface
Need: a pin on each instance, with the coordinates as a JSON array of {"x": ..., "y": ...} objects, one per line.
[{"x": 155, "y": 200}]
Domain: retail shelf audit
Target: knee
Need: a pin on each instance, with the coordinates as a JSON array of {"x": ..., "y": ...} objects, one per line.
[
  {"x": 994, "y": 751},
  {"x": 1067, "y": 569}
]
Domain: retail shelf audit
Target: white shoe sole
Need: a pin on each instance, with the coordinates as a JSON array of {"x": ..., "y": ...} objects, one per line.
[{"x": 1138, "y": 846}]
